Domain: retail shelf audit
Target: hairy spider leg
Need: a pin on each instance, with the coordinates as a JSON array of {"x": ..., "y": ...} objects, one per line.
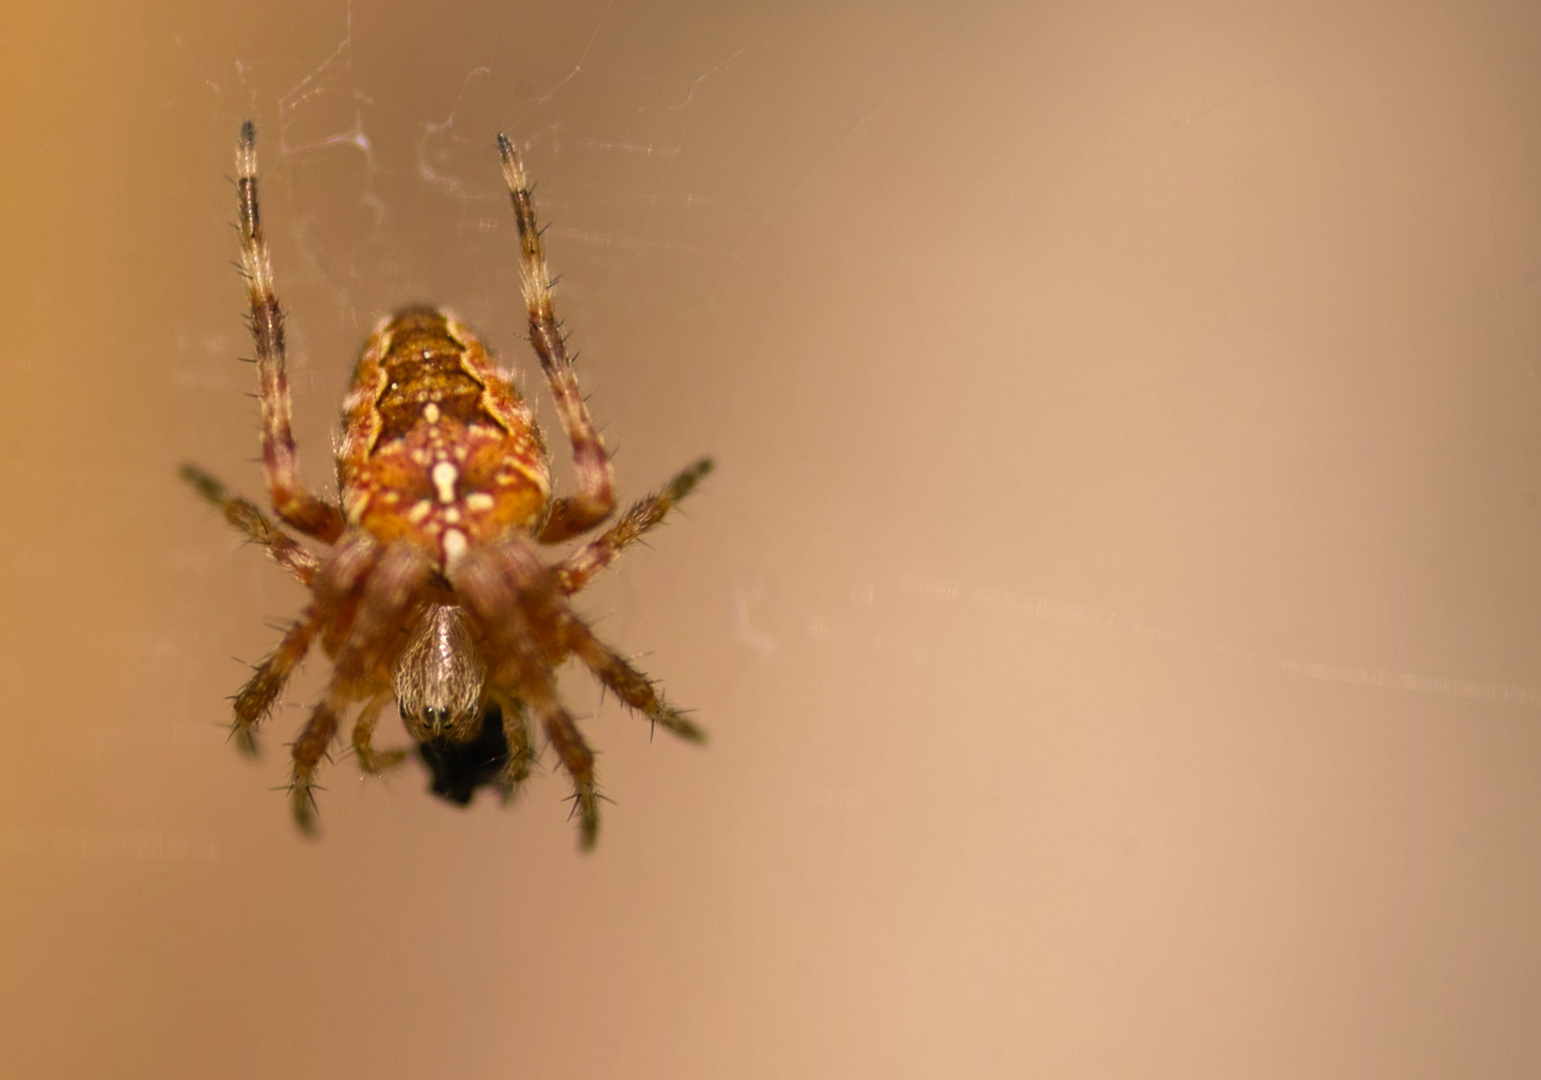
[
  {"x": 370, "y": 759},
  {"x": 295, "y": 504},
  {"x": 548, "y": 608},
  {"x": 521, "y": 751},
  {"x": 245, "y": 516},
  {"x": 255, "y": 700},
  {"x": 572, "y": 514},
  {"x": 488, "y": 582},
  {"x": 574, "y": 572},
  {"x": 334, "y": 585},
  {"x": 629, "y": 684},
  {"x": 360, "y": 669}
]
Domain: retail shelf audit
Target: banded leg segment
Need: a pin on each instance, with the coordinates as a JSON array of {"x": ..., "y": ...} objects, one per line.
[
  {"x": 281, "y": 547},
  {"x": 576, "y": 570},
  {"x": 293, "y": 502},
  {"x": 595, "y": 499}
]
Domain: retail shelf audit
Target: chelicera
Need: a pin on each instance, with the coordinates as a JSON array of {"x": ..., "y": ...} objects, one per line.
[{"x": 431, "y": 591}]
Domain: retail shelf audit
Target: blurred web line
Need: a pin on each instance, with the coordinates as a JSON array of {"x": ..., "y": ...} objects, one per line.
[
  {"x": 1418, "y": 684},
  {"x": 517, "y": 112},
  {"x": 1086, "y": 617},
  {"x": 316, "y": 84}
]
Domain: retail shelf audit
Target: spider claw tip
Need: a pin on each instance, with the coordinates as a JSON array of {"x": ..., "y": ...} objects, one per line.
[{"x": 245, "y": 740}]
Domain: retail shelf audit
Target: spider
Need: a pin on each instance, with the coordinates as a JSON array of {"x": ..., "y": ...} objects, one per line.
[{"x": 432, "y": 592}]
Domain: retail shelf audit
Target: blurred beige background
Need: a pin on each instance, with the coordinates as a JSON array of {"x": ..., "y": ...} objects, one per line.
[{"x": 1116, "y": 612}]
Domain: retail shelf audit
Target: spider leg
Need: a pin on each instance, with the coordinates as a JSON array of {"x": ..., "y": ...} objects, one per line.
[
  {"x": 629, "y": 684},
  {"x": 337, "y": 578},
  {"x": 255, "y": 700},
  {"x": 595, "y": 499},
  {"x": 488, "y": 583},
  {"x": 551, "y": 611},
  {"x": 372, "y": 760},
  {"x": 293, "y": 502},
  {"x": 521, "y": 751},
  {"x": 281, "y": 547},
  {"x": 574, "y": 572},
  {"x": 384, "y": 606}
]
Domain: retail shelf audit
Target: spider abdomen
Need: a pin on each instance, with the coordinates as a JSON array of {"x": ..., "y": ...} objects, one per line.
[{"x": 438, "y": 448}]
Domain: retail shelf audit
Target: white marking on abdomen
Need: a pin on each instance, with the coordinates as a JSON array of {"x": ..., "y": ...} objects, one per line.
[
  {"x": 454, "y": 547},
  {"x": 444, "y": 476}
]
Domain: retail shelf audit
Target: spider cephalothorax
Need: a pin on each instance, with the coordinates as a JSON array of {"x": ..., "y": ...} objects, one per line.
[{"x": 432, "y": 592}]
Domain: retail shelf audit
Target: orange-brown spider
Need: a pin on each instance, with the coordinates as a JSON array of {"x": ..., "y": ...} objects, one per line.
[{"x": 432, "y": 591}]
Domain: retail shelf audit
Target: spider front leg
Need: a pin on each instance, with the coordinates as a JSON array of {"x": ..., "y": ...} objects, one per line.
[
  {"x": 294, "y": 503},
  {"x": 595, "y": 499},
  {"x": 576, "y": 570}
]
